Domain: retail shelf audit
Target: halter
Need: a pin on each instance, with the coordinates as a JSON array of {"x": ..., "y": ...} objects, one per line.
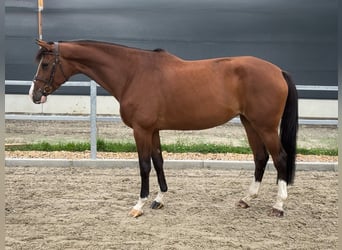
[{"x": 48, "y": 83}]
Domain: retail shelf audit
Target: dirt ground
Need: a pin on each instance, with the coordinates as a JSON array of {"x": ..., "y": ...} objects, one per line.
[{"x": 87, "y": 208}]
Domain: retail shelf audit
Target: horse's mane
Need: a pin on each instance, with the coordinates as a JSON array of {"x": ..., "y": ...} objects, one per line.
[
  {"x": 94, "y": 42},
  {"x": 111, "y": 44}
]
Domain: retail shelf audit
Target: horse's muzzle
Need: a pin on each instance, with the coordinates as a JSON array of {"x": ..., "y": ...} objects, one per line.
[
  {"x": 39, "y": 100},
  {"x": 36, "y": 96}
]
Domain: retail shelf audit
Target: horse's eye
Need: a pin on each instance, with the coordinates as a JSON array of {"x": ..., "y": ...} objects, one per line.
[{"x": 45, "y": 65}]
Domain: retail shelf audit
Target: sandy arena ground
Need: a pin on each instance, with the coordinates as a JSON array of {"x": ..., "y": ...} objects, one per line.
[{"x": 87, "y": 208}]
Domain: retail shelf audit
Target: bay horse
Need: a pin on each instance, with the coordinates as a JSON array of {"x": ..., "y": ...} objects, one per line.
[{"x": 160, "y": 91}]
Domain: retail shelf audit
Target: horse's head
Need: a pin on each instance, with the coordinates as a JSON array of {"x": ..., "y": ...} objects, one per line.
[{"x": 50, "y": 73}]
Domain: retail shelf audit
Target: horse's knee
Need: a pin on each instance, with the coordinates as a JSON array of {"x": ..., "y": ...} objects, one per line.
[
  {"x": 145, "y": 167},
  {"x": 158, "y": 162}
]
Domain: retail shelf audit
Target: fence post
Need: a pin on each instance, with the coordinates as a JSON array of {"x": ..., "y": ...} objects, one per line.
[{"x": 93, "y": 129}]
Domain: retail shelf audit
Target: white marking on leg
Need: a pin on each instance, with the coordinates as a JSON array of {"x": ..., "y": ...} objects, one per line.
[
  {"x": 281, "y": 196},
  {"x": 141, "y": 202},
  {"x": 252, "y": 192},
  {"x": 159, "y": 197}
]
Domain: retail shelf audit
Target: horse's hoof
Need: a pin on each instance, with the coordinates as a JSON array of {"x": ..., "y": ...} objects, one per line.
[
  {"x": 276, "y": 213},
  {"x": 157, "y": 205},
  {"x": 135, "y": 213},
  {"x": 242, "y": 204}
]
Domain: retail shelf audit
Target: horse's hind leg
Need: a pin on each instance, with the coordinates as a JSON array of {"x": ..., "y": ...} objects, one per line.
[
  {"x": 260, "y": 159},
  {"x": 279, "y": 157},
  {"x": 158, "y": 162}
]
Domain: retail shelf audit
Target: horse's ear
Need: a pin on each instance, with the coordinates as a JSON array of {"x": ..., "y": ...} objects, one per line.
[{"x": 44, "y": 44}]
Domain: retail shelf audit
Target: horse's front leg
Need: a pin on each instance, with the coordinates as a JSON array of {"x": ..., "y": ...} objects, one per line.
[
  {"x": 158, "y": 162},
  {"x": 145, "y": 168},
  {"x": 144, "y": 146}
]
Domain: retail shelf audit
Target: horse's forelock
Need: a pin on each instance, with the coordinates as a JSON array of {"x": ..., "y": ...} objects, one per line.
[{"x": 40, "y": 54}]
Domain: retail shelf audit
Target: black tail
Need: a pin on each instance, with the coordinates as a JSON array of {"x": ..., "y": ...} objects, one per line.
[{"x": 289, "y": 128}]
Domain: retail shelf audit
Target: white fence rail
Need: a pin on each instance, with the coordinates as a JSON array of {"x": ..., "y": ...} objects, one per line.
[{"x": 93, "y": 117}]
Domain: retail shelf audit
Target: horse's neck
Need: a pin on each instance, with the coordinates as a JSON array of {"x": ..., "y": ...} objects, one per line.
[{"x": 110, "y": 66}]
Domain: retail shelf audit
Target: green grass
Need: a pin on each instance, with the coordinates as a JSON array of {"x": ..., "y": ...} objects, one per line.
[{"x": 106, "y": 146}]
